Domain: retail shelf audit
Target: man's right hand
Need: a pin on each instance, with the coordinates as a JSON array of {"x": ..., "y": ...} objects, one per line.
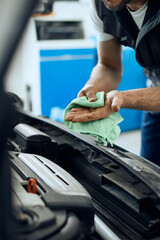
[
  {"x": 113, "y": 103},
  {"x": 89, "y": 91}
]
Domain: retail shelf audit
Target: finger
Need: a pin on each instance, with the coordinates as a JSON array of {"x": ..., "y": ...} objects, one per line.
[
  {"x": 78, "y": 109},
  {"x": 115, "y": 104},
  {"x": 90, "y": 92},
  {"x": 86, "y": 117},
  {"x": 71, "y": 115},
  {"x": 80, "y": 112}
]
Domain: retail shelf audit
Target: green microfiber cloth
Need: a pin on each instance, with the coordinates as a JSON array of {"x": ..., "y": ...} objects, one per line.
[{"x": 106, "y": 130}]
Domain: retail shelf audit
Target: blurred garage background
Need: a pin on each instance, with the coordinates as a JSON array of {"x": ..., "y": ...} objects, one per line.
[{"x": 55, "y": 58}]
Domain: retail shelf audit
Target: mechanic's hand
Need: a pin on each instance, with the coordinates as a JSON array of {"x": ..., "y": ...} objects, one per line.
[
  {"x": 115, "y": 98},
  {"x": 89, "y": 91},
  {"x": 113, "y": 103}
]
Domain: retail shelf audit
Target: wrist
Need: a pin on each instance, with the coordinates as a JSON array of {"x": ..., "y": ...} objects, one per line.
[
  {"x": 128, "y": 99},
  {"x": 123, "y": 97}
]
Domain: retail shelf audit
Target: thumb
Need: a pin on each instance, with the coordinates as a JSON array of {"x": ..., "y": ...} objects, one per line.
[
  {"x": 116, "y": 104},
  {"x": 90, "y": 92}
]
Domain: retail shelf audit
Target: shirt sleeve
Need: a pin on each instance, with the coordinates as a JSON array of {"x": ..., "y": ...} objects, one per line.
[{"x": 98, "y": 24}]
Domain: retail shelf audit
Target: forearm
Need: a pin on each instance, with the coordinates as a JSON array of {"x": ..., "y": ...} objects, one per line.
[
  {"x": 105, "y": 78},
  {"x": 147, "y": 99}
]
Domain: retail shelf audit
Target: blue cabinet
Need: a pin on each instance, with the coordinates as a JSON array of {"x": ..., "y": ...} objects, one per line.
[
  {"x": 63, "y": 73},
  {"x": 133, "y": 77}
]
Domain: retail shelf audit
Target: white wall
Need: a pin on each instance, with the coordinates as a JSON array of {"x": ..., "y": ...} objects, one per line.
[
  {"x": 14, "y": 74},
  {"x": 25, "y": 65}
]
